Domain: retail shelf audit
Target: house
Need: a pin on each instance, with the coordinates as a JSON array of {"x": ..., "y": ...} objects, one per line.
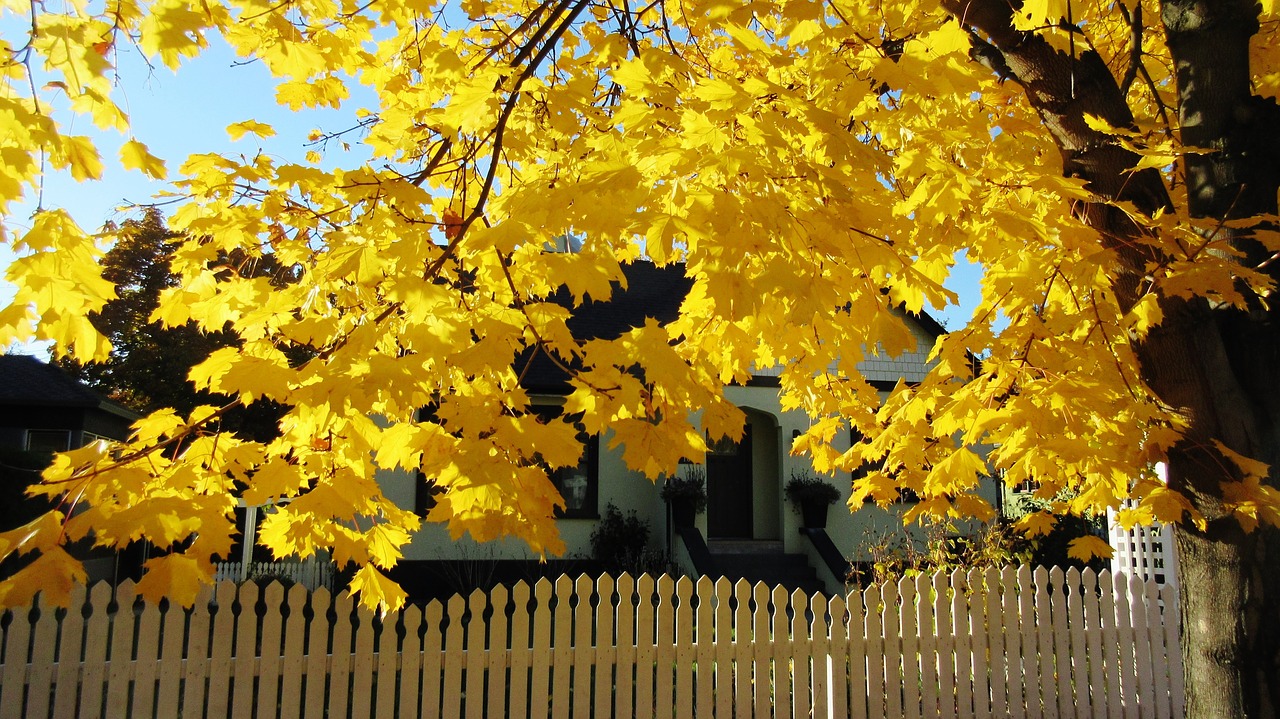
[
  {"x": 748, "y": 529},
  {"x": 44, "y": 410}
]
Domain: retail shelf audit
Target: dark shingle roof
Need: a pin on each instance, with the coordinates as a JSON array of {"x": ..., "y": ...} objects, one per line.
[
  {"x": 28, "y": 381},
  {"x": 651, "y": 292}
]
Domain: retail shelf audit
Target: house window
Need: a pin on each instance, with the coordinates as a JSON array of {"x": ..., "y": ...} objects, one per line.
[
  {"x": 1026, "y": 486},
  {"x": 48, "y": 440},
  {"x": 580, "y": 485}
]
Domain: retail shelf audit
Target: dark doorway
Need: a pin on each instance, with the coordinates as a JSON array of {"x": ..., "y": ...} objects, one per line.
[{"x": 729, "y": 497}]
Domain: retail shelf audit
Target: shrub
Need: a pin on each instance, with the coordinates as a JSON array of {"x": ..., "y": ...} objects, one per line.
[
  {"x": 691, "y": 486},
  {"x": 804, "y": 487},
  {"x": 618, "y": 541}
]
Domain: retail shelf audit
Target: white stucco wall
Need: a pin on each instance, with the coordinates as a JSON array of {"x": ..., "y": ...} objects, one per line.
[{"x": 772, "y": 465}]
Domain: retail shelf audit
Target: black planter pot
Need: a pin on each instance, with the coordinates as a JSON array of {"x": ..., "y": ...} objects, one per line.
[
  {"x": 814, "y": 513},
  {"x": 683, "y": 512}
]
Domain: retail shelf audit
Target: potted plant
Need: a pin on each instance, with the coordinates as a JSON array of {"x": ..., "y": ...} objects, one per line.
[
  {"x": 812, "y": 496},
  {"x": 687, "y": 495}
]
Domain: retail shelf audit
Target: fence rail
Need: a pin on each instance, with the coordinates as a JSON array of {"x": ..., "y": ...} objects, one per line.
[{"x": 962, "y": 646}]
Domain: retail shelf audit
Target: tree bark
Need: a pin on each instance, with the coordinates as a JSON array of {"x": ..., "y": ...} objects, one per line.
[{"x": 1219, "y": 368}]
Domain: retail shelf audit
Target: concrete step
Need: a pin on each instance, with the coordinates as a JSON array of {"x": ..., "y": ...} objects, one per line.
[
  {"x": 772, "y": 566},
  {"x": 745, "y": 546}
]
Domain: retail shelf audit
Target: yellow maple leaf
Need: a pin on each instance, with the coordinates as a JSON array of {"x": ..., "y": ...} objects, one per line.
[
  {"x": 53, "y": 574},
  {"x": 377, "y": 592},
  {"x": 135, "y": 156},
  {"x": 175, "y": 576},
  {"x": 1087, "y": 547},
  {"x": 1036, "y": 524},
  {"x": 238, "y": 130}
]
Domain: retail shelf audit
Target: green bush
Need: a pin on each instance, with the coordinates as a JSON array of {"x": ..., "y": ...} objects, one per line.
[{"x": 620, "y": 544}]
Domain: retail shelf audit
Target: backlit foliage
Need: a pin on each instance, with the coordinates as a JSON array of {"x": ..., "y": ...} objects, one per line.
[{"x": 816, "y": 165}]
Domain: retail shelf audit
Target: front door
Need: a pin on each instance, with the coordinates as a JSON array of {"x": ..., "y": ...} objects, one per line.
[{"x": 729, "y": 497}]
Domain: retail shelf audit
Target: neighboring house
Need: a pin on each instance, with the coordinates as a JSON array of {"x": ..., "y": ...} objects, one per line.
[
  {"x": 751, "y": 531},
  {"x": 44, "y": 410}
]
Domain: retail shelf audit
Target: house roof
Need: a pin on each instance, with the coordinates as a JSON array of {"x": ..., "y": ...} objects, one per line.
[
  {"x": 27, "y": 381},
  {"x": 652, "y": 292}
]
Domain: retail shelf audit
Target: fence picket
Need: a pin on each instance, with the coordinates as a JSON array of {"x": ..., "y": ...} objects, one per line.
[
  {"x": 1124, "y": 622},
  {"x": 944, "y": 628},
  {"x": 760, "y": 646},
  {"x": 781, "y": 634},
  {"x": 1095, "y": 691},
  {"x": 724, "y": 646},
  {"x": 1061, "y": 640},
  {"x": 993, "y": 588},
  {"x": 145, "y": 665},
  {"x": 451, "y": 695},
  {"x": 582, "y": 647},
  {"x": 605, "y": 655},
  {"x": 1029, "y": 654},
  {"x": 704, "y": 646},
  {"x": 499, "y": 651},
  {"x": 1159, "y": 653},
  {"x": 625, "y": 681},
  {"x": 521, "y": 649},
  {"x": 644, "y": 648},
  {"x": 432, "y": 658},
  {"x": 16, "y": 640},
  {"x": 799, "y": 682},
  {"x": 97, "y": 635},
  {"x": 341, "y": 656},
  {"x": 926, "y": 698},
  {"x": 271, "y": 638},
  {"x": 410, "y": 664},
  {"x": 837, "y": 610},
  {"x": 964, "y": 644},
  {"x": 562, "y": 647},
  {"x": 474, "y": 654},
  {"x": 1078, "y": 651},
  {"x": 819, "y": 638},
  {"x": 69, "y": 645},
  {"x": 743, "y": 647},
  {"x": 1141, "y": 647},
  {"x": 994, "y": 643},
  {"x": 875, "y": 632},
  {"x": 683, "y": 648},
  {"x": 385, "y": 674},
  {"x": 977, "y": 589},
  {"x": 1012, "y": 654},
  {"x": 244, "y": 652},
  {"x": 859, "y": 690},
  {"x": 317, "y": 655},
  {"x": 294, "y": 653},
  {"x": 40, "y": 675},
  {"x": 1110, "y": 645}
]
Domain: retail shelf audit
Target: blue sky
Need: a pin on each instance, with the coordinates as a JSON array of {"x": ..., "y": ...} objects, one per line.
[{"x": 177, "y": 114}]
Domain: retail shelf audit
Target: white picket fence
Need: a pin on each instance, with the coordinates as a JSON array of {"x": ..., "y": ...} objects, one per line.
[
  {"x": 310, "y": 573},
  {"x": 982, "y": 644}
]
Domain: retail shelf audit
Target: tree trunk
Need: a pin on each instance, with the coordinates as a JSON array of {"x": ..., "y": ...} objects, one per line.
[{"x": 1219, "y": 368}]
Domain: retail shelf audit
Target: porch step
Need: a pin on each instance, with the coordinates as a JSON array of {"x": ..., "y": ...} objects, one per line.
[
  {"x": 745, "y": 546},
  {"x": 765, "y": 562}
]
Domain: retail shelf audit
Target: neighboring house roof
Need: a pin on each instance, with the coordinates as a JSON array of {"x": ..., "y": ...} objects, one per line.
[{"x": 26, "y": 381}]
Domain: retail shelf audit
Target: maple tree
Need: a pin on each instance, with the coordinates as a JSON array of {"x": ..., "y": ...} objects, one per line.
[
  {"x": 816, "y": 165},
  {"x": 149, "y": 363}
]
